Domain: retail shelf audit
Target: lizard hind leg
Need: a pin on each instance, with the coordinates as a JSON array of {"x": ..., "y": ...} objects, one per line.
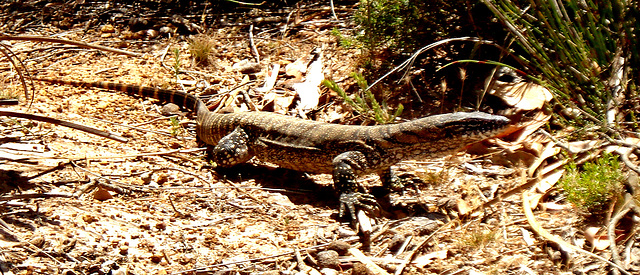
[{"x": 232, "y": 149}]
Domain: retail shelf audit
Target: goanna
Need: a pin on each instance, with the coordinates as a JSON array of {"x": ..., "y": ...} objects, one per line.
[{"x": 345, "y": 151}]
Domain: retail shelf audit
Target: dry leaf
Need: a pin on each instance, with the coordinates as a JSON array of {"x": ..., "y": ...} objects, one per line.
[
  {"x": 270, "y": 81},
  {"x": 246, "y": 67},
  {"x": 550, "y": 150},
  {"x": 553, "y": 206},
  {"x": 463, "y": 207},
  {"x": 598, "y": 241},
  {"x": 526, "y": 235},
  {"x": 424, "y": 260},
  {"x": 297, "y": 68},
  {"x": 582, "y": 145},
  {"x": 529, "y": 127},
  {"x": 534, "y": 199},
  {"x": 308, "y": 91},
  {"x": 523, "y": 95},
  {"x": 549, "y": 180}
]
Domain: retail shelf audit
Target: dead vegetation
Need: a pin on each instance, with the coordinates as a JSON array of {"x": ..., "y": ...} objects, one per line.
[{"x": 76, "y": 203}]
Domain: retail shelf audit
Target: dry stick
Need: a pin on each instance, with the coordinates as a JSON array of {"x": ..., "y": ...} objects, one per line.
[
  {"x": 333, "y": 11},
  {"x": 373, "y": 267},
  {"x": 58, "y": 167},
  {"x": 154, "y": 120},
  {"x": 174, "y": 208},
  {"x": 253, "y": 44},
  {"x": 112, "y": 188},
  {"x": 64, "y": 123},
  {"x": 501, "y": 197},
  {"x": 409, "y": 62},
  {"x": 134, "y": 127},
  {"x": 164, "y": 55},
  {"x": 555, "y": 239},
  {"x": 629, "y": 244},
  {"x": 625, "y": 159},
  {"x": 9, "y": 54},
  {"x": 34, "y": 196},
  {"x": 127, "y": 156},
  {"x": 65, "y": 41},
  {"x": 420, "y": 246},
  {"x": 6, "y": 230},
  {"x": 611, "y": 234}
]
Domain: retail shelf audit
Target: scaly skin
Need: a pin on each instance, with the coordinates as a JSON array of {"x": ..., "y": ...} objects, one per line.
[{"x": 346, "y": 151}]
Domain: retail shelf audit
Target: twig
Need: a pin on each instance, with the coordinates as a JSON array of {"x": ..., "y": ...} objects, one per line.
[
  {"x": 133, "y": 187},
  {"x": 154, "y": 120},
  {"x": 373, "y": 267},
  {"x": 174, "y": 207},
  {"x": 6, "y": 230},
  {"x": 58, "y": 167},
  {"x": 409, "y": 62},
  {"x": 566, "y": 146},
  {"x": 627, "y": 162},
  {"x": 420, "y": 246},
  {"x": 72, "y": 125},
  {"x": 560, "y": 242},
  {"x": 127, "y": 156},
  {"x": 34, "y": 196},
  {"x": 134, "y": 127},
  {"x": 65, "y": 41},
  {"x": 333, "y": 10},
  {"x": 11, "y": 57},
  {"x": 164, "y": 55},
  {"x": 523, "y": 186},
  {"x": 611, "y": 234},
  {"x": 253, "y": 44}
]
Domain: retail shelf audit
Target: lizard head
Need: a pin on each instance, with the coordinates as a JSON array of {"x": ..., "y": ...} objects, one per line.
[
  {"x": 451, "y": 130},
  {"x": 473, "y": 126}
]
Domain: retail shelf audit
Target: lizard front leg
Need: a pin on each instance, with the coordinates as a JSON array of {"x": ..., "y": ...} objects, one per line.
[
  {"x": 391, "y": 182},
  {"x": 345, "y": 168},
  {"x": 232, "y": 149}
]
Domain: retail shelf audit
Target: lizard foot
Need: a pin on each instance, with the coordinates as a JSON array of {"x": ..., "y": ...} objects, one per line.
[{"x": 351, "y": 200}]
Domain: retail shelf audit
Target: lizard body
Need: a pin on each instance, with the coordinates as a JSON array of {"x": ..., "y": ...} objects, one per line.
[{"x": 346, "y": 151}]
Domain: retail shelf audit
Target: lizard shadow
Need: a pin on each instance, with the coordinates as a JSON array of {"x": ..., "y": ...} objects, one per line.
[
  {"x": 318, "y": 191},
  {"x": 299, "y": 187}
]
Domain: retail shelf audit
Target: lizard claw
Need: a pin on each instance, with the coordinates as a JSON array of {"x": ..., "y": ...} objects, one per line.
[{"x": 351, "y": 200}]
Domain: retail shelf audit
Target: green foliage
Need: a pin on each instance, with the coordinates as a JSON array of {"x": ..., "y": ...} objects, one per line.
[
  {"x": 201, "y": 47},
  {"x": 344, "y": 41},
  {"x": 367, "y": 106},
  {"x": 403, "y": 26},
  {"x": 582, "y": 49},
  {"x": 176, "y": 63},
  {"x": 593, "y": 187},
  {"x": 176, "y": 128}
]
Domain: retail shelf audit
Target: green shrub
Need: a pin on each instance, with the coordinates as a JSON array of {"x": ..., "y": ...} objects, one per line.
[
  {"x": 595, "y": 185},
  {"x": 400, "y": 27}
]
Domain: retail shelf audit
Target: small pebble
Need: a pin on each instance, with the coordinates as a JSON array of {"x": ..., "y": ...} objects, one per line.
[
  {"x": 328, "y": 259},
  {"x": 341, "y": 247}
]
